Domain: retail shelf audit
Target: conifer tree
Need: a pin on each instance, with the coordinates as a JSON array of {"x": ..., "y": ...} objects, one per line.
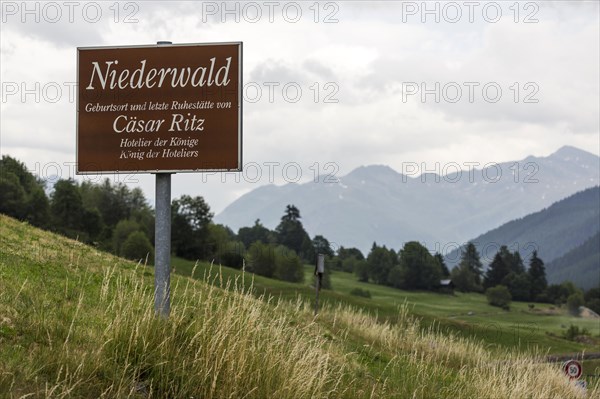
[
  {"x": 537, "y": 276},
  {"x": 499, "y": 268},
  {"x": 471, "y": 261}
]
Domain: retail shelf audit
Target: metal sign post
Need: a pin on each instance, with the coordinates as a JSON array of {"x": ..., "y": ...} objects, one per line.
[
  {"x": 162, "y": 245},
  {"x": 162, "y": 240},
  {"x": 319, "y": 271}
]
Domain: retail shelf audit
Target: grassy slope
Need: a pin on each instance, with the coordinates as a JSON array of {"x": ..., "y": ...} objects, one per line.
[
  {"x": 75, "y": 322},
  {"x": 520, "y": 328}
]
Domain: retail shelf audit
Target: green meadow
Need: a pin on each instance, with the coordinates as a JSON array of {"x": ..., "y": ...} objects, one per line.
[
  {"x": 76, "y": 322},
  {"x": 466, "y": 314}
]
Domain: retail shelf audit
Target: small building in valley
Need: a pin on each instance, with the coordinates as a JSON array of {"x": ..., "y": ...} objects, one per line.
[{"x": 446, "y": 286}]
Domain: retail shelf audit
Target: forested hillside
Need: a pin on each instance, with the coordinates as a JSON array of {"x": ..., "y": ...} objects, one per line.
[
  {"x": 553, "y": 231},
  {"x": 581, "y": 265}
]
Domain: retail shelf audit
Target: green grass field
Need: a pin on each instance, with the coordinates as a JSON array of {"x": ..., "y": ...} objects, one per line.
[
  {"x": 465, "y": 314},
  {"x": 79, "y": 323},
  {"x": 468, "y": 315}
]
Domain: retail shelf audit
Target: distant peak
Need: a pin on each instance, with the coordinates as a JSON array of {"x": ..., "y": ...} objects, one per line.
[
  {"x": 374, "y": 170},
  {"x": 568, "y": 151}
]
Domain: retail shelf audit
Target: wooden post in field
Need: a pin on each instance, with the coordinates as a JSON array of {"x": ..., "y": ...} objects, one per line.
[{"x": 319, "y": 271}]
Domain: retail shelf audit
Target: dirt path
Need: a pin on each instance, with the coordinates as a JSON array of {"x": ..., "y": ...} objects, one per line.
[{"x": 575, "y": 356}]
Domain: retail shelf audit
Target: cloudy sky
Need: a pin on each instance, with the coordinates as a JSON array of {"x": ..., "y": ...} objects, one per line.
[{"x": 380, "y": 82}]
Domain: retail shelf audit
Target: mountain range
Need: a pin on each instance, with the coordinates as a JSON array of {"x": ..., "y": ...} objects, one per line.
[{"x": 376, "y": 203}]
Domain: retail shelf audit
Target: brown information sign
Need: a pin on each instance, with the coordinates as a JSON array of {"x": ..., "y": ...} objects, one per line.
[{"x": 149, "y": 109}]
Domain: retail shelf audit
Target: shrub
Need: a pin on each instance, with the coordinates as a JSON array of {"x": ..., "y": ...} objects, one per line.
[
  {"x": 594, "y": 304},
  {"x": 574, "y": 301},
  {"x": 592, "y": 299},
  {"x": 288, "y": 266},
  {"x": 231, "y": 254},
  {"x": 573, "y": 332},
  {"x": 232, "y": 259},
  {"x": 122, "y": 231},
  {"x": 350, "y": 264},
  {"x": 137, "y": 247},
  {"x": 360, "y": 292},
  {"x": 498, "y": 296},
  {"x": 543, "y": 297},
  {"x": 281, "y": 263},
  {"x": 464, "y": 279},
  {"x": 361, "y": 269},
  {"x": 261, "y": 259}
]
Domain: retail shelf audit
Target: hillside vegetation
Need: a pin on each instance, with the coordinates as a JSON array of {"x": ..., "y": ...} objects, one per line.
[
  {"x": 581, "y": 265},
  {"x": 553, "y": 231},
  {"x": 76, "y": 322}
]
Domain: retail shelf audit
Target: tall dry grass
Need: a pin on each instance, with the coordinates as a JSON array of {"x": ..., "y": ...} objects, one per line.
[
  {"x": 217, "y": 343},
  {"x": 431, "y": 364}
]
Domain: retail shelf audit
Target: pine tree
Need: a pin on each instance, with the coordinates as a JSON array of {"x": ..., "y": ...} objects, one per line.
[
  {"x": 516, "y": 263},
  {"x": 519, "y": 286},
  {"x": 292, "y": 214},
  {"x": 499, "y": 268},
  {"x": 537, "y": 276},
  {"x": 291, "y": 234},
  {"x": 470, "y": 260},
  {"x": 445, "y": 272},
  {"x": 517, "y": 280}
]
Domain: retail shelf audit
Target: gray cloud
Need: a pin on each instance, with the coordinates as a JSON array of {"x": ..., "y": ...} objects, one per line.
[{"x": 368, "y": 54}]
